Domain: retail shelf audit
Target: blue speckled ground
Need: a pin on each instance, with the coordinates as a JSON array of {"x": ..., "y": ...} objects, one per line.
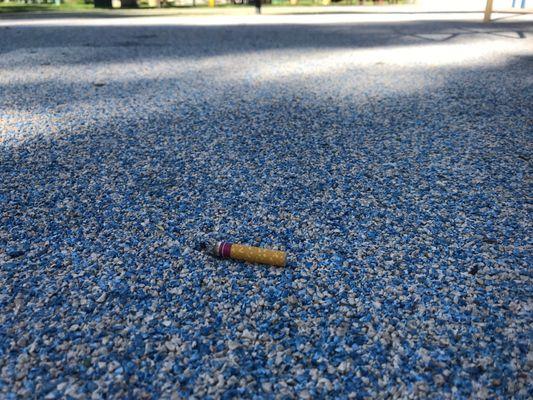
[{"x": 392, "y": 161}]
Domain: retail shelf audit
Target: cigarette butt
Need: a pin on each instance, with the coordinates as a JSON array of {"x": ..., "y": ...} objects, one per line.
[{"x": 250, "y": 254}]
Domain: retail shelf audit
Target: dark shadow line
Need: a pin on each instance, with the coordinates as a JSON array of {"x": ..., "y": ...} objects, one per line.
[
  {"x": 451, "y": 36},
  {"x": 520, "y": 34}
]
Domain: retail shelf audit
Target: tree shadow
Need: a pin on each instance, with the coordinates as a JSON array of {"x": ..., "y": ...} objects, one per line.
[
  {"x": 123, "y": 43},
  {"x": 46, "y": 49},
  {"x": 186, "y": 156}
]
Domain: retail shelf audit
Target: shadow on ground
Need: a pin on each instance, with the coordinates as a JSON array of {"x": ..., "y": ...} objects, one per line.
[
  {"x": 405, "y": 211},
  {"x": 197, "y": 41}
]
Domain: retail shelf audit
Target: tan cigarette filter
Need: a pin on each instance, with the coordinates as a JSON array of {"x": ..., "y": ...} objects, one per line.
[{"x": 251, "y": 254}]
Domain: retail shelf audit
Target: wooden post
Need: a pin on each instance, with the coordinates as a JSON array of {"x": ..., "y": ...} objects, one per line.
[{"x": 488, "y": 10}]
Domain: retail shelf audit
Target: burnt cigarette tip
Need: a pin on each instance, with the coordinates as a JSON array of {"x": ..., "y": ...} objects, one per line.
[{"x": 201, "y": 246}]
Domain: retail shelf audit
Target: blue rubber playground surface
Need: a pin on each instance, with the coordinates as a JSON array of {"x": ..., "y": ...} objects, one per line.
[{"x": 391, "y": 160}]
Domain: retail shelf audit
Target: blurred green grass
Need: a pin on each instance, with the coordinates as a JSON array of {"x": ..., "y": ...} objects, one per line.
[{"x": 23, "y": 7}]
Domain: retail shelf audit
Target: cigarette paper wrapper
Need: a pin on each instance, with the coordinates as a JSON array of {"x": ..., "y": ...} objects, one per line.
[
  {"x": 250, "y": 254},
  {"x": 258, "y": 255}
]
